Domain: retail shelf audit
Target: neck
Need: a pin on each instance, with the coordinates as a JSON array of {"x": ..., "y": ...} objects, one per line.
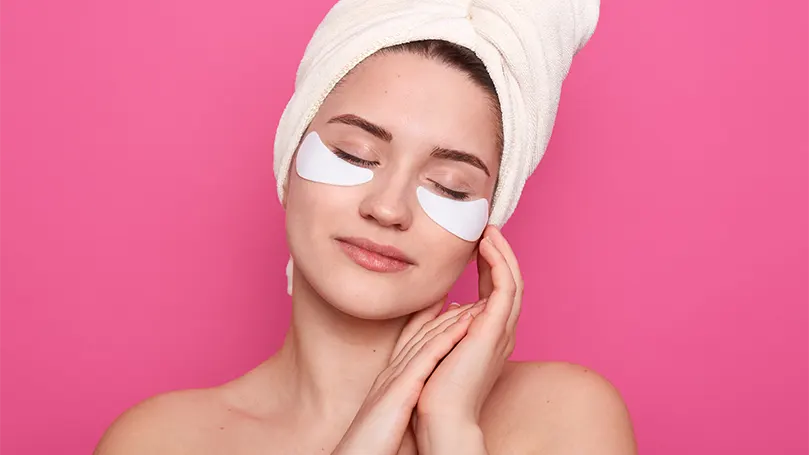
[{"x": 332, "y": 358}]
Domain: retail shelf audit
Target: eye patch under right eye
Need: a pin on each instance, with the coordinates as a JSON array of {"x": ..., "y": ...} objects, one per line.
[{"x": 315, "y": 162}]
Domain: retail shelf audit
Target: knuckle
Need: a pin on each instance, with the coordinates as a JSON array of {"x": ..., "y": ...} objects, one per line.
[
  {"x": 431, "y": 327},
  {"x": 420, "y": 334},
  {"x": 432, "y": 333}
]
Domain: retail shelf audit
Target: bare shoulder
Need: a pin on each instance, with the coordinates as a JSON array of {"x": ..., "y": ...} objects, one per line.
[
  {"x": 556, "y": 408},
  {"x": 165, "y": 424}
]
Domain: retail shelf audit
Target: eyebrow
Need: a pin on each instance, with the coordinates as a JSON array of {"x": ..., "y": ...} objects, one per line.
[
  {"x": 463, "y": 157},
  {"x": 359, "y": 122},
  {"x": 387, "y": 136}
]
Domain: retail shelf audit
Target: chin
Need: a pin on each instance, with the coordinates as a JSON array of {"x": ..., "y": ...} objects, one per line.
[
  {"x": 361, "y": 293},
  {"x": 357, "y": 294}
]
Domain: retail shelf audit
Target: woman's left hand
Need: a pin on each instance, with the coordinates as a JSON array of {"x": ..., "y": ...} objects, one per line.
[{"x": 453, "y": 397}]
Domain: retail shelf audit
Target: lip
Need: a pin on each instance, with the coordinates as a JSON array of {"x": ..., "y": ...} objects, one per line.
[{"x": 373, "y": 256}]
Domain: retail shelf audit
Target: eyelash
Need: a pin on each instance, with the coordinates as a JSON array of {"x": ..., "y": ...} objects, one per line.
[
  {"x": 458, "y": 195},
  {"x": 354, "y": 160}
]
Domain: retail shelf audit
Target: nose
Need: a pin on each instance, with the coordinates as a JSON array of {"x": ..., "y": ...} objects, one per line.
[{"x": 388, "y": 204}]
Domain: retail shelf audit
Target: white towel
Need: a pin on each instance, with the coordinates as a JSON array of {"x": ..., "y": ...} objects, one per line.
[{"x": 526, "y": 45}]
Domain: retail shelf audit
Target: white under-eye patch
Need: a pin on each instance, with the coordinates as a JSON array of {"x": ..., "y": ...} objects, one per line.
[
  {"x": 464, "y": 219},
  {"x": 317, "y": 163}
]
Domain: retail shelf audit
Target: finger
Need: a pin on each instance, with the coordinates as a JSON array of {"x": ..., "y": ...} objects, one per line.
[
  {"x": 501, "y": 301},
  {"x": 511, "y": 259},
  {"x": 485, "y": 286},
  {"x": 454, "y": 310},
  {"x": 430, "y": 325},
  {"x": 394, "y": 370},
  {"x": 426, "y": 327},
  {"x": 471, "y": 312},
  {"x": 415, "y": 323},
  {"x": 421, "y": 366},
  {"x": 418, "y": 341},
  {"x": 456, "y": 305}
]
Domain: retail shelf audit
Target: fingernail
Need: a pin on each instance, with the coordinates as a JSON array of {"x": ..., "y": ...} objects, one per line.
[
  {"x": 466, "y": 316},
  {"x": 454, "y": 304},
  {"x": 489, "y": 239}
]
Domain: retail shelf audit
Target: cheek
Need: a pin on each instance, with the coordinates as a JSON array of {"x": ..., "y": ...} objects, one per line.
[
  {"x": 443, "y": 255},
  {"x": 452, "y": 264},
  {"x": 314, "y": 209}
]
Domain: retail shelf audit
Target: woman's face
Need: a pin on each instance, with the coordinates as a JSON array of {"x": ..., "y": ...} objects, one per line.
[{"x": 391, "y": 114}]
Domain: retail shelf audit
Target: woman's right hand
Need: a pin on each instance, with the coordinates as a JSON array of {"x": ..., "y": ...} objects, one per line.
[{"x": 382, "y": 421}]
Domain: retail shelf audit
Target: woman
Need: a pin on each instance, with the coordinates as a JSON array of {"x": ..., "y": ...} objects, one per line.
[{"x": 395, "y": 161}]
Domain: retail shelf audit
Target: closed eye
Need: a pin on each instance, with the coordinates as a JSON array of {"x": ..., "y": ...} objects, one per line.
[
  {"x": 355, "y": 160},
  {"x": 457, "y": 195}
]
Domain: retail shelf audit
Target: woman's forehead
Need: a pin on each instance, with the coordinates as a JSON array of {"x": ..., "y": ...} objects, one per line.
[{"x": 418, "y": 100}]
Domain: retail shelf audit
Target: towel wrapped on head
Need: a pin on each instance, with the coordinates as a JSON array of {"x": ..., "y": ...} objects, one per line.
[{"x": 526, "y": 45}]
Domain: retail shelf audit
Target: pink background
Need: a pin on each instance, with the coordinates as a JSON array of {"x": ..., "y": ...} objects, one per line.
[{"x": 663, "y": 237}]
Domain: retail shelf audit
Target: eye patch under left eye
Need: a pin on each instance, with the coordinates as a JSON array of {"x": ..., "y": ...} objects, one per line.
[
  {"x": 464, "y": 219},
  {"x": 315, "y": 162}
]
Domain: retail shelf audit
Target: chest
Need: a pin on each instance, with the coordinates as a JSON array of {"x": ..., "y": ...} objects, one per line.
[{"x": 261, "y": 437}]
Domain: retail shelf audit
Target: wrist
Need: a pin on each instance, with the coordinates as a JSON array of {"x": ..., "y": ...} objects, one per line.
[{"x": 449, "y": 437}]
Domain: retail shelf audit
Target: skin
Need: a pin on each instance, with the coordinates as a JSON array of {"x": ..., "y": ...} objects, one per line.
[{"x": 359, "y": 370}]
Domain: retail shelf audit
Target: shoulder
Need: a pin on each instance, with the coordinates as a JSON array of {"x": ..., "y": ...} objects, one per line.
[
  {"x": 558, "y": 408},
  {"x": 165, "y": 424}
]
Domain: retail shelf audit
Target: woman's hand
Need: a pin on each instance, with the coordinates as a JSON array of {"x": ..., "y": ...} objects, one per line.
[
  {"x": 448, "y": 410},
  {"x": 381, "y": 426}
]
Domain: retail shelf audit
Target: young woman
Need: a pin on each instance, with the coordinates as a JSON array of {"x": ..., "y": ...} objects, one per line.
[{"x": 387, "y": 195}]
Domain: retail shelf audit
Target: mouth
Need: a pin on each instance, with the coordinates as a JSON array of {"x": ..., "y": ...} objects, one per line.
[{"x": 373, "y": 256}]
